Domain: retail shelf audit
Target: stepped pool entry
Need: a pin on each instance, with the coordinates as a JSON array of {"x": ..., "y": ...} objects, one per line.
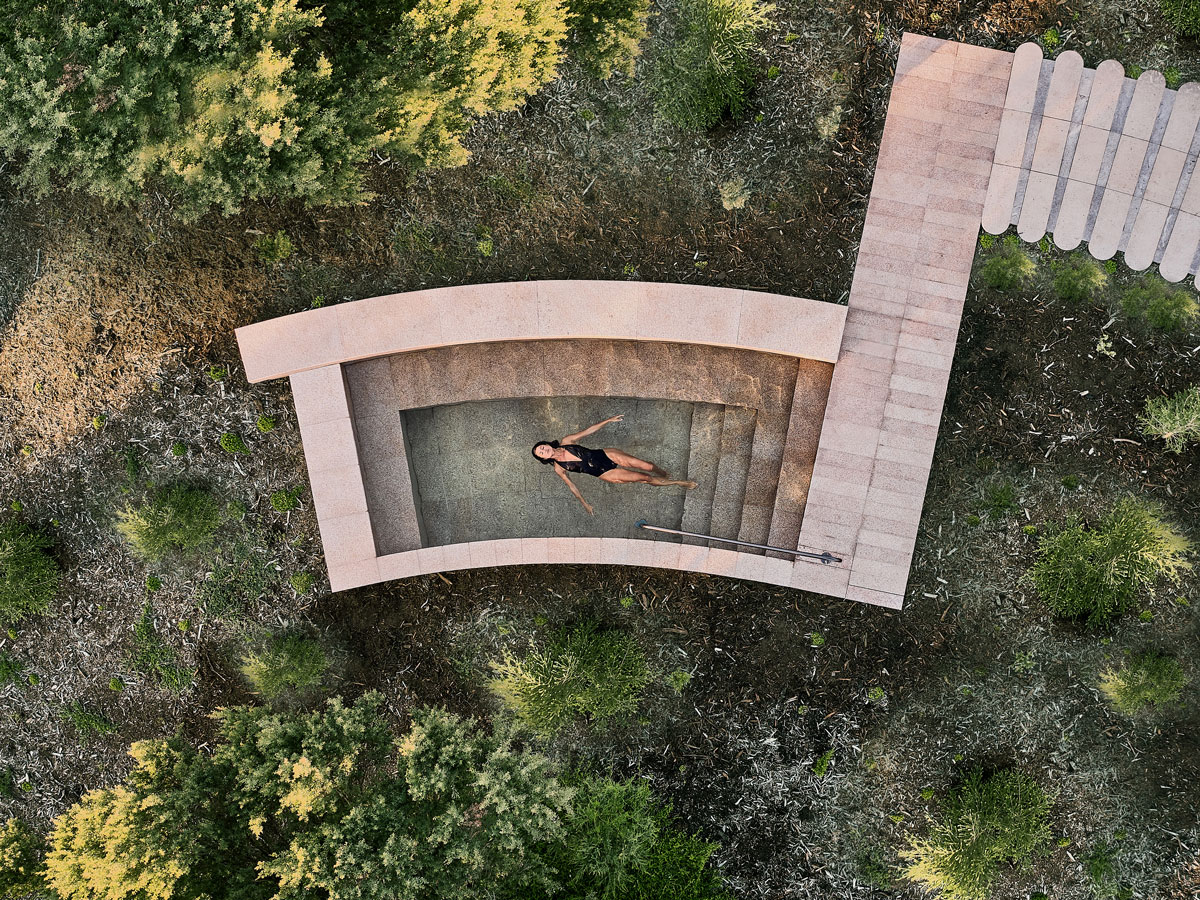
[{"x": 810, "y": 426}]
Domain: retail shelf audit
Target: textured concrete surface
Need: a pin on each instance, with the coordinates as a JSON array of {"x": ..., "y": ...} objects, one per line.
[
  {"x": 478, "y": 482},
  {"x": 541, "y": 310}
]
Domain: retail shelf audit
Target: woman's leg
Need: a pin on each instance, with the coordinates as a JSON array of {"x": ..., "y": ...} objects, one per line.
[
  {"x": 628, "y": 476},
  {"x": 628, "y": 461}
]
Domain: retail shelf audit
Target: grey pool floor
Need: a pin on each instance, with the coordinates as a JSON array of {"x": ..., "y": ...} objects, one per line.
[{"x": 477, "y": 480}]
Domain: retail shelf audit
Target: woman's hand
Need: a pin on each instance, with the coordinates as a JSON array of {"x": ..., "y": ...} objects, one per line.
[
  {"x": 617, "y": 418},
  {"x": 590, "y": 509}
]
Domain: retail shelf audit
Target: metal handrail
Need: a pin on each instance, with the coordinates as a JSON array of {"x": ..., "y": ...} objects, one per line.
[{"x": 825, "y": 557}]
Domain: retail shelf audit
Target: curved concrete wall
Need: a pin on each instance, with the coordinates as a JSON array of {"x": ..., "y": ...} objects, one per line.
[{"x": 538, "y": 310}]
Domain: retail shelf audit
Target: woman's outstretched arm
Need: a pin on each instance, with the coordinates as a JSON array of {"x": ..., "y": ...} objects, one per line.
[
  {"x": 562, "y": 473},
  {"x": 591, "y": 429}
]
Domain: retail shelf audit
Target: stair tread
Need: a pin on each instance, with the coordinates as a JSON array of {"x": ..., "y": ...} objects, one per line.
[
  {"x": 707, "y": 424},
  {"x": 737, "y": 443}
]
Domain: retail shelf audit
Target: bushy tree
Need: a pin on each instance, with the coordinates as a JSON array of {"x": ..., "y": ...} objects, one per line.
[
  {"x": 20, "y": 861},
  {"x": 606, "y": 35},
  {"x": 170, "y": 831},
  {"x": 1175, "y": 418},
  {"x": 29, "y": 575},
  {"x": 1096, "y": 572},
  {"x": 987, "y": 821},
  {"x": 223, "y": 101},
  {"x": 325, "y": 804},
  {"x": 708, "y": 70}
]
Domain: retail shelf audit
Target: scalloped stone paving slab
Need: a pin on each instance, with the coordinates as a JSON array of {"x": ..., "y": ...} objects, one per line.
[{"x": 1119, "y": 177}]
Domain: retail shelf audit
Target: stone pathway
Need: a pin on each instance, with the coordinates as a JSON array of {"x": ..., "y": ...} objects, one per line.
[
  {"x": 910, "y": 283},
  {"x": 1092, "y": 156}
]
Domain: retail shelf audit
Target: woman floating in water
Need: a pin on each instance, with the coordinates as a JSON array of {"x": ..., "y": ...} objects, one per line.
[{"x": 610, "y": 464}]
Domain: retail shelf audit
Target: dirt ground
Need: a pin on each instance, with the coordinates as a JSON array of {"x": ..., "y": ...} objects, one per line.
[{"x": 122, "y": 313}]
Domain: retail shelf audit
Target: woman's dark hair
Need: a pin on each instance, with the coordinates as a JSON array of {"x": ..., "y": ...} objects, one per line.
[{"x": 551, "y": 444}]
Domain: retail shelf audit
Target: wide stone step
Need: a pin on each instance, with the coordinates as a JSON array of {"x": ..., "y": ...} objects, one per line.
[
  {"x": 762, "y": 477},
  {"x": 707, "y": 424},
  {"x": 737, "y": 446}
]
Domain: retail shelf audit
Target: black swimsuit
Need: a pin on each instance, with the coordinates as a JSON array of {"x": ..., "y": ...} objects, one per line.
[{"x": 591, "y": 462}]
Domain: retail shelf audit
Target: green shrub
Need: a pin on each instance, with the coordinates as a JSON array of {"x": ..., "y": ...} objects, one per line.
[
  {"x": 611, "y": 831},
  {"x": 153, "y": 656},
  {"x": 325, "y": 804},
  {"x": 709, "y": 69},
  {"x": 29, "y": 576},
  {"x": 301, "y": 582},
  {"x": 606, "y": 35},
  {"x": 1147, "y": 679},
  {"x": 1079, "y": 279},
  {"x": 1095, "y": 573},
  {"x": 274, "y": 249},
  {"x": 87, "y": 722},
  {"x": 1159, "y": 304},
  {"x": 620, "y": 843},
  {"x": 283, "y": 501},
  {"x": 824, "y": 761},
  {"x": 265, "y": 424},
  {"x": 232, "y": 442},
  {"x": 179, "y": 448},
  {"x": 1101, "y": 868},
  {"x": 1008, "y": 268},
  {"x": 11, "y": 668},
  {"x": 999, "y": 498},
  {"x": 584, "y": 672},
  {"x": 1183, "y": 16},
  {"x": 678, "y": 680},
  {"x": 1175, "y": 419},
  {"x": 218, "y": 105},
  {"x": 287, "y": 663},
  {"x": 179, "y": 517},
  {"x": 21, "y": 852},
  {"x": 988, "y": 821}
]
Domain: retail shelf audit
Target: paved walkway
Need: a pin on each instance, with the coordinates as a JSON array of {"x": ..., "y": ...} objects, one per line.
[
  {"x": 910, "y": 283},
  {"x": 1093, "y": 156}
]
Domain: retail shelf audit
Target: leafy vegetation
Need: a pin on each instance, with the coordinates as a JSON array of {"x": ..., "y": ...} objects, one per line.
[
  {"x": 620, "y": 843},
  {"x": 253, "y": 99},
  {"x": 153, "y": 656},
  {"x": 287, "y": 663},
  {"x": 1079, "y": 279},
  {"x": 86, "y": 721},
  {"x": 180, "y": 517},
  {"x": 1008, "y": 268},
  {"x": 987, "y": 821},
  {"x": 1183, "y": 15},
  {"x": 1159, "y": 304},
  {"x": 707, "y": 72},
  {"x": 1174, "y": 418},
  {"x": 1095, "y": 572},
  {"x": 1146, "y": 679},
  {"x": 29, "y": 575},
  {"x": 20, "y": 861},
  {"x": 583, "y": 672},
  {"x": 326, "y": 802}
]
